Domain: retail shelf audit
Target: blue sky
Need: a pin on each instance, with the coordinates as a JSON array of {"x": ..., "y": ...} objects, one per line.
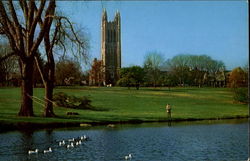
[{"x": 215, "y": 28}]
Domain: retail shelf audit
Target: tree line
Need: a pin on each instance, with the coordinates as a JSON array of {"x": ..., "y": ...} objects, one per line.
[
  {"x": 67, "y": 72},
  {"x": 181, "y": 70}
]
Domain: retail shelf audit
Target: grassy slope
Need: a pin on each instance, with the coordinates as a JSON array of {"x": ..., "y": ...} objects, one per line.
[{"x": 121, "y": 104}]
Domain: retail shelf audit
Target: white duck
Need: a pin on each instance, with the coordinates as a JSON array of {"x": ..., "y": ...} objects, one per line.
[
  {"x": 84, "y": 137},
  {"x": 33, "y": 151},
  {"x": 71, "y": 145},
  {"x": 61, "y": 143},
  {"x": 128, "y": 156},
  {"x": 73, "y": 139},
  {"x": 47, "y": 151}
]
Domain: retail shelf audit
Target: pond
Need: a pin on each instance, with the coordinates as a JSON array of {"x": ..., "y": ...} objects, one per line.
[{"x": 146, "y": 142}]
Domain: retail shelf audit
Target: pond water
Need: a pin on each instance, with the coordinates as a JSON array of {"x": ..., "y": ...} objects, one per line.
[{"x": 146, "y": 142}]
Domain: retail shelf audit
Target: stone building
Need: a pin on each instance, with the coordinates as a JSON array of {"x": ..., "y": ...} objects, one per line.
[
  {"x": 111, "y": 47},
  {"x": 107, "y": 70}
]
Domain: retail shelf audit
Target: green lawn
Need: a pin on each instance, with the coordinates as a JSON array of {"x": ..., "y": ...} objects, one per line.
[{"x": 122, "y": 104}]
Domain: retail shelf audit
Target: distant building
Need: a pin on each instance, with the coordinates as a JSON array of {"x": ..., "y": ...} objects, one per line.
[
  {"x": 108, "y": 70},
  {"x": 111, "y": 47}
]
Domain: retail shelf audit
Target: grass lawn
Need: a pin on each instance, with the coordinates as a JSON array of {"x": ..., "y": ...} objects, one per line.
[{"x": 122, "y": 104}]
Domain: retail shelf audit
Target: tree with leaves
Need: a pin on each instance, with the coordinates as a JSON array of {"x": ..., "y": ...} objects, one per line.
[
  {"x": 96, "y": 73},
  {"x": 238, "y": 81},
  {"x": 238, "y": 78},
  {"x": 67, "y": 72},
  {"x": 8, "y": 66},
  {"x": 131, "y": 76}
]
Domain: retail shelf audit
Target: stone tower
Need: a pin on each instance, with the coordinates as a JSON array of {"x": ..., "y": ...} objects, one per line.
[{"x": 111, "y": 47}]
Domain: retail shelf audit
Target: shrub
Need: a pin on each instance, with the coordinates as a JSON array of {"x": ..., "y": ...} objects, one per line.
[
  {"x": 63, "y": 100},
  {"x": 241, "y": 95}
]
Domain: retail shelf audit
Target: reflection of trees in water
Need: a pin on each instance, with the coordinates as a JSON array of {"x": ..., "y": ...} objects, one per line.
[
  {"x": 49, "y": 137},
  {"x": 169, "y": 123},
  {"x": 113, "y": 143},
  {"x": 25, "y": 143},
  {"x": 29, "y": 139}
]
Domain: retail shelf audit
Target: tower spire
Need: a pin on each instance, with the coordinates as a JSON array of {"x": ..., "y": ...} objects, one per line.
[{"x": 104, "y": 14}]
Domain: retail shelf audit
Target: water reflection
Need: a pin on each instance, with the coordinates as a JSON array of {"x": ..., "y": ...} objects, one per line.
[{"x": 213, "y": 140}]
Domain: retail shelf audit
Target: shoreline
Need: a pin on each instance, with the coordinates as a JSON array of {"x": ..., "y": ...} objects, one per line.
[{"x": 23, "y": 126}]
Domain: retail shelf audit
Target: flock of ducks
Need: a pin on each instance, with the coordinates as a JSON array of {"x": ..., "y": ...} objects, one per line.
[
  {"x": 71, "y": 143},
  {"x": 36, "y": 151}
]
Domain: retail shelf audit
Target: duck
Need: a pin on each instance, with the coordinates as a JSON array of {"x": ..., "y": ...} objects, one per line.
[
  {"x": 33, "y": 151},
  {"x": 71, "y": 145},
  {"x": 128, "y": 157},
  {"x": 61, "y": 143},
  {"x": 73, "y": 139},
  {"x": 47, "y": 151},
  {"x": 84, "y": 137}
]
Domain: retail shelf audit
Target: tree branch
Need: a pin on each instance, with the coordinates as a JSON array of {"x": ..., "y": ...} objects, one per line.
[
  {"x": 2, "y": 31},
  {"x": 40, "y": 21},
  {"x": 37, "y": 17},
  {"x": 39, "y": 67},
  {"x": 17, "y": 27},
  {"x": 24, "y": 7},
  {"x": 30, "y": 14},
  {"x": 50, "y": 11},
  {"x": 7, "y": 29}
]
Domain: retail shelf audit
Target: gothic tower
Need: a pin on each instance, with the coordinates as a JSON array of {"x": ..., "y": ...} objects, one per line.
[{"x": 111, "y": 47}]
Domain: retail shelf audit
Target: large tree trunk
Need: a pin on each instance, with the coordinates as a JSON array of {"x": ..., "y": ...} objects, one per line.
[
  {"x": 48, "y": 110},
  {"x": 27, "y": 89}
]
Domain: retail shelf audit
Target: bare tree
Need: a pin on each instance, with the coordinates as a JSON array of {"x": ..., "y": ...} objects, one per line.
[
  {"x": 24, "y": 36},
  {"x": 152, "y": 63},
  {"x": 63, "y": 36},
  {"x": 193, "y": 69}
]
